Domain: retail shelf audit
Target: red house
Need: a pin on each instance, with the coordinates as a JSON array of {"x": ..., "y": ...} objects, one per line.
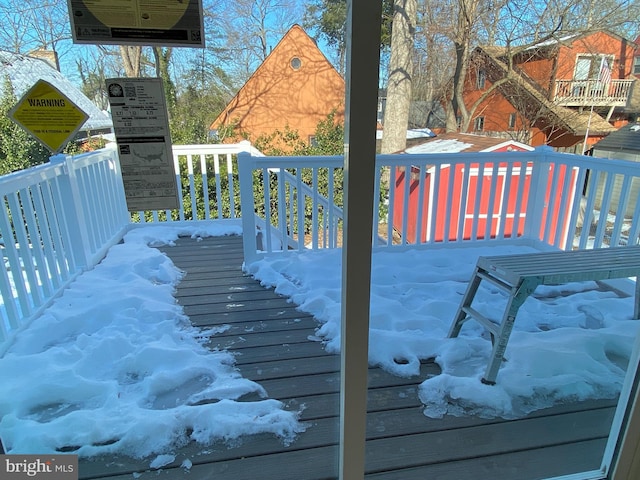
[{"x": 567, "y": 93}]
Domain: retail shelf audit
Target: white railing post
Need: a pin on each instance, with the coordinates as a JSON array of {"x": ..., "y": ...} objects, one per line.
[
  {"x": 71, "y": 208},
  {"x": 537, "y": 193},
  {"x": 247, "y": 207}
]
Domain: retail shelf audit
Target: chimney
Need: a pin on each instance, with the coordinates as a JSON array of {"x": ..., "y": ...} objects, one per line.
[{"x": 49, "y": 56}]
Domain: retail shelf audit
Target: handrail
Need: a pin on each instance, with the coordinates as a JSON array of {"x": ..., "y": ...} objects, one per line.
[
  {"x": 60, "y": 218},
  {"x": 293, "y": 213}
]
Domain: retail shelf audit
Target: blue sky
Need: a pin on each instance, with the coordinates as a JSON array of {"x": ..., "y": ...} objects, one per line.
[{"x": 17, "y": 13}]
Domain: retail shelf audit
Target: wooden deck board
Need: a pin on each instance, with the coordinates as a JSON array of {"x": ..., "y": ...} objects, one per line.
[
  {"x": 546, "y": 462},
  {"x": 266, "y": 315},
  {"x": 276, "y": 346}
]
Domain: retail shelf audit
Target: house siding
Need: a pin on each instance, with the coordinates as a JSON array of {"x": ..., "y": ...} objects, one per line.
[
  {"x": 538, "y": 68},
  {"x": 287, "y": 93},
  {"x": 495, "y": 109},
  {"x": 543, "y": 67},
  {"x": 599, "y": 43}
]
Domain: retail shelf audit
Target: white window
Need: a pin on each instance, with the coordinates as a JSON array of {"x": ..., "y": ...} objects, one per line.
[
  {"x": 482, "y": 79},
  {"x": 295, "y": 63},
  {"x": 592, "y": 67}
]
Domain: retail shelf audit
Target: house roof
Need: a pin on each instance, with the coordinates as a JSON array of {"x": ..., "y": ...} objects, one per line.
[
  {"x": 24, "y": 71},
  {"x": 626, "y": 138},
  {"x": 573, "y": 121},
  {"x": 467, "y": 142},
  {"x": 570, "y": 38},
  {"x": 413, "y": 133},
  {"x": 295, "y": 86}
]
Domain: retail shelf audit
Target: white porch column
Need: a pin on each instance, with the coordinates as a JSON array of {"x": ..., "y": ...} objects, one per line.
[{"x": 363, "y": 60}]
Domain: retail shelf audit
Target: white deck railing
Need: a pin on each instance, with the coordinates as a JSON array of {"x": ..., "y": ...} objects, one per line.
[
  {"x": 60, "y": 219},
  {"x": 543, "y": 198},
  {"x": 56, "y": 220},
  {"x": 207, "y": 180}
]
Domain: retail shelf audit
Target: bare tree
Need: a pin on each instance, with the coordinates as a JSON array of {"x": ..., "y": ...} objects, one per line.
[
  {"x": 131, "y": 59},
  {"x": 14, "y": 34},
  {"x": 517, "y": 32},
  {"x": 449, "y": 31},
  {"x": 433, "y": 58},
  {"x": 33, "y": 24},
  {"x": 93, "y": 73},
  {"x": 251, "y": 28},
  {"x": 462, "y": 37}
]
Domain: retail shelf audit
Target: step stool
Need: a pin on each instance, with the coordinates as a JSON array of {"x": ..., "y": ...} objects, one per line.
[{"x": 520, "y": 275}]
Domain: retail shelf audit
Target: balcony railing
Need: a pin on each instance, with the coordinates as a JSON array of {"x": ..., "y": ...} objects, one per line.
[
  {"x": 571, "y": 93},
  {"x": 61, "y": 218}
]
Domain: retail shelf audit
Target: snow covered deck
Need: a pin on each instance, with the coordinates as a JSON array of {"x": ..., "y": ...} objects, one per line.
[
  {"x": 278, "y": 348},
  {"x": 73, "y": 214}
]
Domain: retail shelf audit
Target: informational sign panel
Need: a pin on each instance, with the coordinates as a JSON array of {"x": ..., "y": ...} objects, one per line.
[
  {"x": 137, "y": 22},
  {"x": 47, "y": 114},
  {"x": 141, "y": 125}
]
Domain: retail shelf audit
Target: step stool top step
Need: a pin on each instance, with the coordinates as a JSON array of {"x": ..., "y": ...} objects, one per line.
[{"x": 561, "y": 267}]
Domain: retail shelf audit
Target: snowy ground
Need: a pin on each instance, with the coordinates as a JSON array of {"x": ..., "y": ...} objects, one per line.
[
  {"x": 570, "y": 343},
  {"x": 114, "y": 365}
]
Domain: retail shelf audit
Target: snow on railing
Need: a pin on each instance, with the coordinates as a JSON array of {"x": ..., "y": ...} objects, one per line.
[
  {"x": 549, "y": 199},
  {"x": 56, "y": 220}
]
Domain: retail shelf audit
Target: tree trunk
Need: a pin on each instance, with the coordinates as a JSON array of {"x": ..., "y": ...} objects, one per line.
[
  {"x": 131, "y": 60},
  {"x": 162, "y": 58},
  {"x": 396, "y": 116},
  {"x": 458, "y": 117},
  {"x": 460, "y": 76}
]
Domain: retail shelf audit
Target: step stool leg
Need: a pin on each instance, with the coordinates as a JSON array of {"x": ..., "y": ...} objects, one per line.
[
  {"x": 500, "y": 345},
  {"x": 518, "y": 296},
  {"x": 467, "y": 299}
]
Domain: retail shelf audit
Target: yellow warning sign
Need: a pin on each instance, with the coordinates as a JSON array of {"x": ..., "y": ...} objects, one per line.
[{"x": 48, "y": 115}]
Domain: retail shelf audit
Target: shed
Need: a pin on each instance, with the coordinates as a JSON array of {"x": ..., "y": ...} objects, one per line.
[{"x": 476, "y": 185}]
